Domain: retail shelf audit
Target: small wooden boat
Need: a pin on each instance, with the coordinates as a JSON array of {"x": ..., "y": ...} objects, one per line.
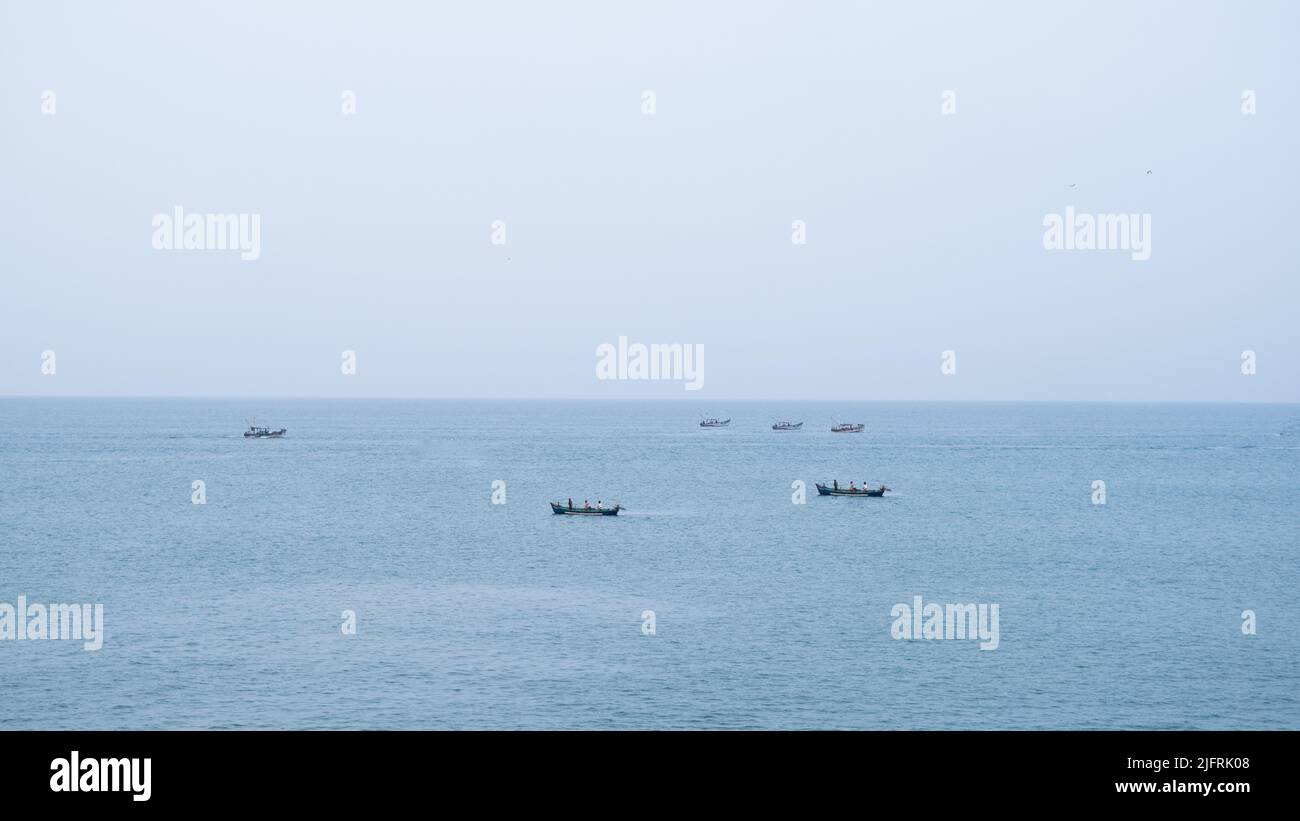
[
  {"x": 787, "y": 426},
  {"x": 715, "y": 423},
  {"x": 831, "y": 490},
  {"x": 565, "y": 510},
  {"x": 848, "y": 428}
]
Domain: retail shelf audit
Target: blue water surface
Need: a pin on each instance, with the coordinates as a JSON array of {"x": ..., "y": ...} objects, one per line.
[{"x": 767, "y": 613}]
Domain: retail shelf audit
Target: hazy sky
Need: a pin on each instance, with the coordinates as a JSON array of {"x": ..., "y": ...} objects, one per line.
[{"x": 924, "y": 229}]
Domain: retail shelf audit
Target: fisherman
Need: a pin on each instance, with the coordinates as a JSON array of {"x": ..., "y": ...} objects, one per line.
[
  {"x": 586, "y": 505},
  {"x": 852, "y": 488},
  {"x": 570, "y": 503},
  {"x": 837, "y": 484}
]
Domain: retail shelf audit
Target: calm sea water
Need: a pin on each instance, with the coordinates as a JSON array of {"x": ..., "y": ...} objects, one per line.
[{"x": 767, "y": 613}]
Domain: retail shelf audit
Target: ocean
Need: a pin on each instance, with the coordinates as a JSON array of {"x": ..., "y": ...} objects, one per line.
[{"x": 715, "y": 600}]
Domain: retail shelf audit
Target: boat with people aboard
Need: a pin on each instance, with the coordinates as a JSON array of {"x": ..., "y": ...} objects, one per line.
[
  {"x": 787, "y": 425},
  {"x": 256, "y": 431},
  {"x": 834, "y": 489},
  {"x": 570, "y": 509},
  {"x": 711, "y": 422},
  {"x": 848, "y": 427}
]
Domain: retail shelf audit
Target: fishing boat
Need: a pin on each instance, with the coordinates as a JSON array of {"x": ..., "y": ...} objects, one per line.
[
  {"x": 715, "y": 423},
  {"x": 787, "y": 425},
  {"x": 848, "y": 427},
  {"x": 835, "y": 490},
  {"x": 586, "y": 510},
  {"x": 256, "y": 431}
]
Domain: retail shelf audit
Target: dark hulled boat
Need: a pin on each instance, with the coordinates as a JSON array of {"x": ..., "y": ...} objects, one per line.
[
  {"x": 565, "y": 510},
  {"x": 715, "y": 423},
  {"x": 787, "y": 425},
  {"x": 258, "y": 432},
  {"x": 832, "y": 490},
  {"x": 848, "y": 427}
]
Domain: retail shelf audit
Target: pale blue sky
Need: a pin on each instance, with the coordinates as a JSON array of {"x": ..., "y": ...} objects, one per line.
[{"x": 924, "y": 230}]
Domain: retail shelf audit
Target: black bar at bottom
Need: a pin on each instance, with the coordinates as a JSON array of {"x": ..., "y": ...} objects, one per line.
[{"x": 333, "y": 769}]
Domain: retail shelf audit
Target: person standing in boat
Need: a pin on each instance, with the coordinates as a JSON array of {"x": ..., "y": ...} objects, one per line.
[
  {"x": 586, "y": 505},
  {"x": 851, "y": 486},
  {"x": 837, "y": 483},
  {"x": 570, "y": 503}
]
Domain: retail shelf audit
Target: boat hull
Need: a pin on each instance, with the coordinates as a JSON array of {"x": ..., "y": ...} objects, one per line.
[
  {"x": 275, "y": 434},
  {"x": 827, "y": 490},
  {"x": 721, "y": 424},
  {"x": 849, "y": 429},
  {"x": 795, "y": 426},
  {"x": 564, "y": 510}
]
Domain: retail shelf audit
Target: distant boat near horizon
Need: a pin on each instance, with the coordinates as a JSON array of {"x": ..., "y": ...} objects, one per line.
[
  {"x": 848, "y": 427},
  {"x": 787, "y": 425},
  {"x": 256, "y": 431},
  {"x": 715, "y": 423}
]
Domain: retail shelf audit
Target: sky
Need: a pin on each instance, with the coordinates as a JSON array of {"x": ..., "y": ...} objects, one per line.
[{"x": 921, "y": 146}]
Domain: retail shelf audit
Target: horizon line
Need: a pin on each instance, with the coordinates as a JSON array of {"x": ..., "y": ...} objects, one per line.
[{"x": 640, "y": 399}]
